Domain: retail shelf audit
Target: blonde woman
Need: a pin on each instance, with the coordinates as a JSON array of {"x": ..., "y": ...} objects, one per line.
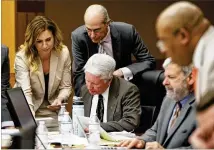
[{"x": 43, "y": 67}]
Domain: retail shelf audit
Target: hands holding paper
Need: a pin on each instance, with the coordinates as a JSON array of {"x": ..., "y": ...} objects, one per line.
[{"x": 55, "y": 105}]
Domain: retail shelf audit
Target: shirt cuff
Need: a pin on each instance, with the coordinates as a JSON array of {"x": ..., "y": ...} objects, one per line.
[
  {"x": 7, "y": 124},
  {"x": 127, "y": 73}
]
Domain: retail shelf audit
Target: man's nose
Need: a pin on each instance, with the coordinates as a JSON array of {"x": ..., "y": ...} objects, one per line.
[
  {"x": 165, "y": 82},
  {"x": 92, "y": 34}
]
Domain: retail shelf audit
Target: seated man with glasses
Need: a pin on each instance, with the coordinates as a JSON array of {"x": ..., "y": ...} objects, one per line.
[
  {"x": 176, "y": 120},
  {"x": 117, "y": 39}
]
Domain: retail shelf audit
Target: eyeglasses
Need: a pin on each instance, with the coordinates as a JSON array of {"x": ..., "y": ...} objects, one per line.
[{"x": 93, "y": 30}]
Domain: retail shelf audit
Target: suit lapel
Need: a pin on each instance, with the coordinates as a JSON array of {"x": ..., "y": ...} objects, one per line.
[
  {"x": 52, "y": 70},
  {"x": 87, "y": 103},
  {"x": 166, "y": 121},
  {"x": 92, "y": 47},
  {"x": 184, "y": 112},
  {"x": 41, "y": 75},
  {"x": 112, "y": 98},
  {"x": 115, "y": 38}
]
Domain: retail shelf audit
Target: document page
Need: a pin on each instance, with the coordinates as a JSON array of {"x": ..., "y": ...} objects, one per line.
[{"x": 113, "y": 137}]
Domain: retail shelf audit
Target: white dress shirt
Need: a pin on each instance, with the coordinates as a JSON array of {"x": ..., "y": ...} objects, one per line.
[
  {"x": 105, "y": 102},
  {"x": 203, "y": 60}
]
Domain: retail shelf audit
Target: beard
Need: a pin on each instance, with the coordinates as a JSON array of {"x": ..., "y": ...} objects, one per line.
[{"x": 177, "y": 93}]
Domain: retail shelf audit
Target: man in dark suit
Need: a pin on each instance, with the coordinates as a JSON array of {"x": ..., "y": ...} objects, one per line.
[
  {"x": 176, "y": 120},
  {"x": 5, "y": 77},
  {"x": 117, "y": 39},
  {"x": 114, "y": 100}
]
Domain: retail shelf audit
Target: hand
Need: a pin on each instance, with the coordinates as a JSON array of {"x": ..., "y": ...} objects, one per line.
[
  {"x": 118, "y": 73},
  {"x": 55, "y": 105},
  {"x": 153, "y": 145},
  {"x": 133, "y": 143},
  {"x": 86, "y": 130},
  {"x": 203, "y": 136}
]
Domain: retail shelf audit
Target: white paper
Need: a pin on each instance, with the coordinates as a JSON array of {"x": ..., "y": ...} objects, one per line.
[
  {"x": 44, "y": 118},
  {"x": 73, "y": 140},
  {"x": 84, "y": 123}
]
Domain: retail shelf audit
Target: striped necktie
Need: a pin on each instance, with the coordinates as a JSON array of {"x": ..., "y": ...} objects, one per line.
[
  {"x": 100, "y": 108},
  {"x": 175, "y": 115}
]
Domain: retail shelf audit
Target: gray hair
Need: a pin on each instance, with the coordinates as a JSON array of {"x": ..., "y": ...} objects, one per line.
[
  {"x": 101, "y": 65},
  {"x": 99, "y": 9},
  {"x": 187, "y": 70}
]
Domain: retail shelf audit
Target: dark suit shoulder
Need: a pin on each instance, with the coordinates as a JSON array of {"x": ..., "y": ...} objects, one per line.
[
  {"x": 79, "y": 30},
  {"x": 121, "y": 25},
  {"x": 84, "y": 90}
]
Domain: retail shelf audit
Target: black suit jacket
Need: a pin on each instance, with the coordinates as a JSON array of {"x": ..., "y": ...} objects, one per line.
[
  {"x": 126, "y": 42},
  {"x": 183, "y": 128},
  {"x": 5, "y": 77},
  {"x": 123, "y": 110}
]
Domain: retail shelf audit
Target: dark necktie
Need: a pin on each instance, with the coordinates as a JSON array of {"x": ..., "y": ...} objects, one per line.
[
  {"x": 175, "y": 115},
  {"x": 100, "y": 108}
]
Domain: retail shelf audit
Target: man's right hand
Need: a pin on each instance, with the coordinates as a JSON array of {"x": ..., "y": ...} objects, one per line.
[{"x": 132, "y": 143}]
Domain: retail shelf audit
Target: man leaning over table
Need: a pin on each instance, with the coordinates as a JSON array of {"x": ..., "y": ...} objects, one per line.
[{"x": 117, "y": 39}]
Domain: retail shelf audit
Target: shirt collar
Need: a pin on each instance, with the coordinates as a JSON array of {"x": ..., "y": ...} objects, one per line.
[
  {"x": 107, "y": 38},
  {"x": 185, "y": 99},
  {"x": 104, "y": 94}
]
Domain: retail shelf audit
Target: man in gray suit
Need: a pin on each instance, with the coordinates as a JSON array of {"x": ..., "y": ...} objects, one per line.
[
  {"x": 176, "y": 120},
  {"x": 186, "y": 35},
  {"x": 114, "y": 100},
  {"x": 5, "y": 77},
  {"x": 117, "y": 39}
]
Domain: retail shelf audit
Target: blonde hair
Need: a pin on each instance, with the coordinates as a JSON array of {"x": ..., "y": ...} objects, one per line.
[{"x": 34, "y": 29}]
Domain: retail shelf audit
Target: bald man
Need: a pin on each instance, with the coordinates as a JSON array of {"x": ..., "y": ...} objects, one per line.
[
  {"x": 117, "y": 39},
  {"x": 185, "y": 35}
]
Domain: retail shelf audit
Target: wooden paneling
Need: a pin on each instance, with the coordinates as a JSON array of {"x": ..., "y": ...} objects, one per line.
[
  {"x": 31, "y": 6},
  {"x": 8, "y": 28},
  {"x": 68, "y": 14},
  {"x": 12, "y": 79},
  {"x": 22, "y": 20}
]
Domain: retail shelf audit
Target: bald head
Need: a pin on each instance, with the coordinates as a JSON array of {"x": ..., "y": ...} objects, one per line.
[
  {"x": 181, "y": 14},
  {"x": 95, "y": 12}
]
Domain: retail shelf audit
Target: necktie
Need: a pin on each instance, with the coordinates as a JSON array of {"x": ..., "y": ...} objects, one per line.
[
  {"x": 105, "y": 48},
  {"x": 100, "y": 108},
  {"x": 101, "y": 48},
  {"x": 175, "y": 115}
]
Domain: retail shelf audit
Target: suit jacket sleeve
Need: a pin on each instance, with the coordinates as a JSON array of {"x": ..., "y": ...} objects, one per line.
[
  {"x": 131, "y": 111},
  {"x": 22, "y": 75},
  {"x": 144, "y": 60},
  {"x": 65, "y": 84},
  {"x": 5, "y": 77},
  {"x": 150, "y": 135},
  {"x": 79, "y": 60}
]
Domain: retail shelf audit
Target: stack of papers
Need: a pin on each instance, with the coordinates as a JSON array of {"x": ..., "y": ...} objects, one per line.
[{"x": 112, "y": 136}]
